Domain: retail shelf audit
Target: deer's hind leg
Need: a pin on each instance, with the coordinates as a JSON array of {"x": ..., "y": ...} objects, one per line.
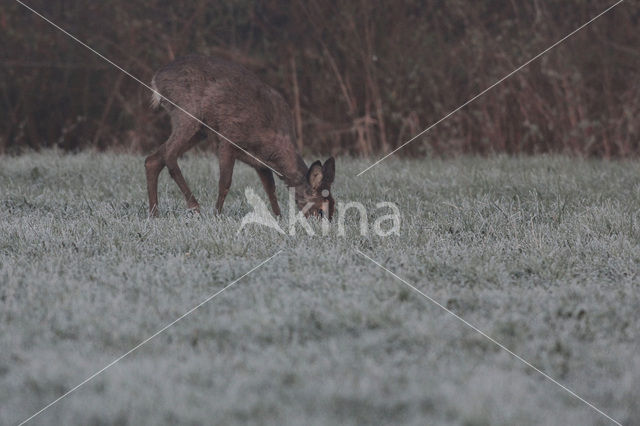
[
  {"x": 183, "y": 130},
  {"x": 153, "y": 166}
]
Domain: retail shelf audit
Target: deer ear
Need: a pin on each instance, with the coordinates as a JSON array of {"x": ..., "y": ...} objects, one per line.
[
  {"x": 329, "y": 171},
  {"x": 314, "y": 175}
]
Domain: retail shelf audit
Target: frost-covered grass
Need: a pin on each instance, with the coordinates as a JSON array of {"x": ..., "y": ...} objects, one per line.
[{"x": 541, "y": 253}]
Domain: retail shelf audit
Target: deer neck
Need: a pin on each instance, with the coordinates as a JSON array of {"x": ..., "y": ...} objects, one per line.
[{"x": 293, "y": 170}]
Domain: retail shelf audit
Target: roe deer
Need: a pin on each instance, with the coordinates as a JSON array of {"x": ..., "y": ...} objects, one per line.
[{"x": 234, "y": 102}]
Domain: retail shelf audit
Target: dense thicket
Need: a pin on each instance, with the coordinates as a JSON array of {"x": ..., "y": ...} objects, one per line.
[{"x": 361, "y": 76}]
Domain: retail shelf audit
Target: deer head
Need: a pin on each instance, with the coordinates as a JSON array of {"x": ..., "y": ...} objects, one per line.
[{"x": 315, "y": 192}]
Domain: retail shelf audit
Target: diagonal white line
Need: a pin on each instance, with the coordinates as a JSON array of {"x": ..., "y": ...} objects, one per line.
[
  {"x": 491, "y": 339},
  {"x": 190, "y": 311},
  {"x": 147, "y": 86},
  {"x": 491, "y": 87}
]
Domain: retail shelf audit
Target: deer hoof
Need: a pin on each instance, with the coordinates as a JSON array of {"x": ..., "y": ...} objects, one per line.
[{"x": 195, "y": 209}]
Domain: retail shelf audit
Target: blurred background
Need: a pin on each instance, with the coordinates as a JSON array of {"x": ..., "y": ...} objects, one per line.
[{"x": 361, "y": 76}]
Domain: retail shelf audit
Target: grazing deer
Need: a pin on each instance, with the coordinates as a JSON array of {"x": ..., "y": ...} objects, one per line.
[{"x": 234, "y": 102}]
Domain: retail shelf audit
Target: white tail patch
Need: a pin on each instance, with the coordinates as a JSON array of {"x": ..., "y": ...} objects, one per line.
[{"x": 156, "y": 97}]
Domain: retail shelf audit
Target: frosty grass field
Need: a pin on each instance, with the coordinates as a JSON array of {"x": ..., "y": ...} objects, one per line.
[{"x": 541, "y": 253}]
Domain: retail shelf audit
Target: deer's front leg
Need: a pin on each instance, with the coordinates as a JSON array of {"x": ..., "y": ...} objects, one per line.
[
  {"x": 227, "y": 160},
  {"x": 266, "y": 176}
]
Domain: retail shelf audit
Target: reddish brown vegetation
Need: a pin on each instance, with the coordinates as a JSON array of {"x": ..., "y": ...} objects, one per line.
[{"x": 360, "y": 76}]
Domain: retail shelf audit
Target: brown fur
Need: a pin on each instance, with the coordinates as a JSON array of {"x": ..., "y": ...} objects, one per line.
[{"x": 234, "y": 102}]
